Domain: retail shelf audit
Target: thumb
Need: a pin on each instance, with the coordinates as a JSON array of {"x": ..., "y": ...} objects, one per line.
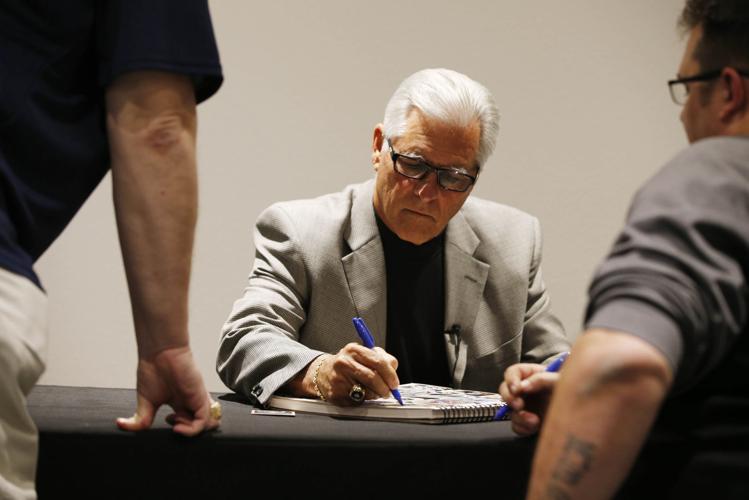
[{"x": 142, "y": 419}]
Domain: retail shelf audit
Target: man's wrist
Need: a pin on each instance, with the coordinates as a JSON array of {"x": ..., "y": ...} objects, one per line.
[
  {"x": 316, "y": 376},
  {"x": 167, "y": 350},
  {"x": 302, "y": 384}
]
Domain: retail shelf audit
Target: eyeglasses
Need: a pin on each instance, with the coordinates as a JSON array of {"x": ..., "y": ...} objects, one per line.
[
  {"x": 449, "y": 178},
  {"x": 680, "y": 90}
]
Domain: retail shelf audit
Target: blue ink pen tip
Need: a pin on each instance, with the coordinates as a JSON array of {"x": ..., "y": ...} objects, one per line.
[{"x": 397, "y": 395}]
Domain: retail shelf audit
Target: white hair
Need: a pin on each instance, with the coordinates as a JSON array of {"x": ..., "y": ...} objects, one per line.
[{"x": 449, "y": 97}]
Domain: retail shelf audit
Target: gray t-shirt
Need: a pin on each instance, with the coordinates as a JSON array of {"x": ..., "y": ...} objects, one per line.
[
  {"x": 677, "y": 278},
  {"x": 677, "y": 274}
]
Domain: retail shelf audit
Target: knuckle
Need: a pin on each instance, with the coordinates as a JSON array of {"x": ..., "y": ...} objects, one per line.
[
  {"x": 341, "y": 363},
  {"x": 350, "y": 347},
  {"x": 364, "y": 376}
]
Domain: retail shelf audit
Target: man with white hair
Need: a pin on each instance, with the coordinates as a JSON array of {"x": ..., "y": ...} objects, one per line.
[{"x": 451, "y": 287}]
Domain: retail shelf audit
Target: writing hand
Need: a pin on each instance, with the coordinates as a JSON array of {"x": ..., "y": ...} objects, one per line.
[
  {"x": 373, "y": 369},
  {"x": 527, "y": 388}
]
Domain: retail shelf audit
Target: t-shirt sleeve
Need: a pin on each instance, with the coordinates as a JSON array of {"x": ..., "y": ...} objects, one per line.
[
  {"x": 165, "y": 35},
  {"x": 677, "y": 273}
]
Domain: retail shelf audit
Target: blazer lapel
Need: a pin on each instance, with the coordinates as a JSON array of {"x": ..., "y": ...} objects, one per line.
[
  {"x": 365, "y": 265},
  {"x": 465, "y": 279}
]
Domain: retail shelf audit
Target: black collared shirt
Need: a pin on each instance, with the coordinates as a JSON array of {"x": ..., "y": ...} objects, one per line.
[{"x": 416, "y": 307}]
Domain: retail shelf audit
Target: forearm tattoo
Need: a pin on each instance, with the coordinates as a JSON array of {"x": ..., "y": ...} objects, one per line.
[{"x": 575, "y": 461}]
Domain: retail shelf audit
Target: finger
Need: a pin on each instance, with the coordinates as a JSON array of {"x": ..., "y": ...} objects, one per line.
[
  {"x": 190, "y": 427},
  {"x": 142, "y": 419},
  {"x": 516, "y": 373},
  {"x": 525, "y": 423},
  {"x": 515, "y": 400},
  {"x": 521, "y": 430},
  {"x": 346, "y": 370},
  {"x": 358, "y": 364},
  {"x": 504, "y": 391},
  {"x": 174, "y": 420},
  {"x": 389, "y": 358},
  {"x": 376, "y": 384},
  {"x": 369, "y": 357},
  {"x": 512, "y": 376},
  {"x": 179, "y": 417},
  {"x": 517, "y": 403},
  {"x": 373, "y": 382},
  {"x": 372, "y": 394},
  {"x": 341, "y": 375},
  {"x": 540, "y": 382},
  {"x": 380, "y": 362}
]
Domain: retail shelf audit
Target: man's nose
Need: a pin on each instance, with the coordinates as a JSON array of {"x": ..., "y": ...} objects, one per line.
[{"x": 428, "y": 187}]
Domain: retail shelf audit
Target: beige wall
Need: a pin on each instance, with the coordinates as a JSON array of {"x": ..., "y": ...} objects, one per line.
[{"x": 586, "y": 118}]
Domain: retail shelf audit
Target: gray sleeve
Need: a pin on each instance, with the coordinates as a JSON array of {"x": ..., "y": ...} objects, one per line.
[
  {"x": 260, "y": 350},
  {"x": 676, "y": 275}
]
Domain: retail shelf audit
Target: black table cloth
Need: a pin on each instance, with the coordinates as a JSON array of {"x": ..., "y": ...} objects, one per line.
[{"x": 84, "y": 455}]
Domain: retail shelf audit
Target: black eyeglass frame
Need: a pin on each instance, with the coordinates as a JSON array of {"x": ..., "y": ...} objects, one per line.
[
  {"x": 699, "y": 77},
  {"x": 429, "y": 168}
]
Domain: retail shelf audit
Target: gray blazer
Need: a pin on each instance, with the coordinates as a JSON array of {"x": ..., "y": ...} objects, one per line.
[{"x": 320, "y": 262}]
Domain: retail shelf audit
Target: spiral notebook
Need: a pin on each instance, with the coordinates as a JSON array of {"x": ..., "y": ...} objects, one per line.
[{"x": 422, "y": 403}]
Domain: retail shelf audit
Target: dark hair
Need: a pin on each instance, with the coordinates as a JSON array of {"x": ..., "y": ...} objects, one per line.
[{"x": 725, "y": 32}]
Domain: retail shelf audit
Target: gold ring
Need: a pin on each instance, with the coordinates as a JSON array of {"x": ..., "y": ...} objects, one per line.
[
  {"x": 357, "y": 394},
  {"x": 215, "y": 410}
]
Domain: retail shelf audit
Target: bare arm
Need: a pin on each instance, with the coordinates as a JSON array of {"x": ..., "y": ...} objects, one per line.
[
  {"x": 151, "y": 124},
  {"x": 606, "y": 400}
]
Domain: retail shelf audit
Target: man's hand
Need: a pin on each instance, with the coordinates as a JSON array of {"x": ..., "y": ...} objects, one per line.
[
  {"x": 171, "y": 377},
  {"x": 373, "y": 369},
  {"x": 527, "y": 389}
]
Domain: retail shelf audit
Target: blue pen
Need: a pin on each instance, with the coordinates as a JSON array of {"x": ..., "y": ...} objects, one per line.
[
  {"x": 553, "y": 367},
  {"x": 368, "y": 341}
]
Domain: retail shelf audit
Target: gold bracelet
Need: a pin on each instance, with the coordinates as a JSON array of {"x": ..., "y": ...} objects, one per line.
[{"x": 314, "y": 378}]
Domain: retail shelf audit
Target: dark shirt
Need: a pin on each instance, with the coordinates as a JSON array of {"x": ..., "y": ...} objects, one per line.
[
  {"x": 416, "y": 307},
  {"x": 677, "y": 277},
  {"x": 56, "y": 61}
]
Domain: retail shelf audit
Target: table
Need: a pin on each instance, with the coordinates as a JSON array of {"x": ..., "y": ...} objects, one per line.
[{"x": 83, "y": 454}]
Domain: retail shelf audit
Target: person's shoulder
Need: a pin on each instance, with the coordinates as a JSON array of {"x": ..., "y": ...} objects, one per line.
[
  {"x": 326, "y": 202},
  {"x": 705, "y": 156},
  {"x": 481, "y": 212},
  {"x": 317, "y": 212},
  {"x": 702, "y": 174}
]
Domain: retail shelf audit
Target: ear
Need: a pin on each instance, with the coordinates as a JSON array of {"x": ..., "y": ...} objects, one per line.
[
  {"x": 378, "y": 139},
  {"x": 734, "y": 95}
]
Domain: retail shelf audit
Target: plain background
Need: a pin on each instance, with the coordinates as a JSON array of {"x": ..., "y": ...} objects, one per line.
[{"x": 585, "y": 119}]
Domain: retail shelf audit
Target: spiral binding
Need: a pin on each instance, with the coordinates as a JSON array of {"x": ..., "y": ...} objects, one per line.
[{"x": 469, "y": 413}]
